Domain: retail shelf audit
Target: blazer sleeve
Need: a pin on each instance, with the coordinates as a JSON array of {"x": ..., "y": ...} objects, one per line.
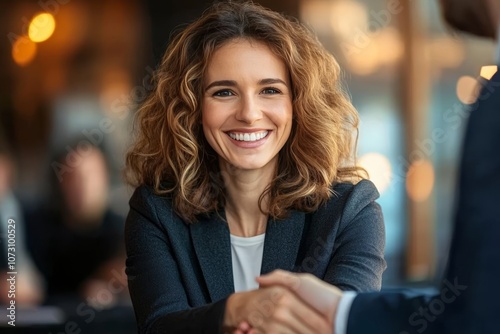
[
  {"x": 396, "y": 311},
  {"x": 358, "y": 261},
  {"x": 155, "y": 284}
]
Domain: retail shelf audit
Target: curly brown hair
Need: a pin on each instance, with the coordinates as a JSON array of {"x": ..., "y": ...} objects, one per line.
[{"x": 171, "y": 154}]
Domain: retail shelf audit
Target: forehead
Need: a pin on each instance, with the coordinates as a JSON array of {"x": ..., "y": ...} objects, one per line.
[{"x": 245, "y": 56}]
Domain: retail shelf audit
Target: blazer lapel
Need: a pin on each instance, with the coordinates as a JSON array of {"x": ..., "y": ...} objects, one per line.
[
  {"x": 282, "y": 242},
  {"x": 213, "y": 248}
]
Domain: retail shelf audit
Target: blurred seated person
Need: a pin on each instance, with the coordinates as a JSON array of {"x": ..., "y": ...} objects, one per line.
[
  {"x": 77, "y": 239},
  {"x": 29, "y": 283}
]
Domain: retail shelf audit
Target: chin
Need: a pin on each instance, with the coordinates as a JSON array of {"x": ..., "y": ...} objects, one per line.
[{"x": 248, "y": 166}]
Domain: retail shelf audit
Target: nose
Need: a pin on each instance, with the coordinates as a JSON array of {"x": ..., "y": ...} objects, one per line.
[{"x": 248, "y": 110}]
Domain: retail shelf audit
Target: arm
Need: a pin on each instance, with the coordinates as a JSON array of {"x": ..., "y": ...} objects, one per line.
[
  {"x": 376, "y": 312},
  {"x": 357, "y": 262},
  {"x": 395, "y": 311},
  {"x": 160, "y": 300},
  {"x": 155, "y": 283}
]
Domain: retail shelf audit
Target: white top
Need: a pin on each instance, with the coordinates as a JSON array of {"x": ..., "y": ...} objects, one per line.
[{"x": 246, "y": 255}]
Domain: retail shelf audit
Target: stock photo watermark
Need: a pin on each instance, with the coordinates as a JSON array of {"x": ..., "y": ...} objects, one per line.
[
  {"x": 424, "y": 316},
  {"x": 12, "y": 272},
  {"x": 95, "y": 137},
  {"x": 87, "y": 311},
  {"x": 361, "y": 38}
]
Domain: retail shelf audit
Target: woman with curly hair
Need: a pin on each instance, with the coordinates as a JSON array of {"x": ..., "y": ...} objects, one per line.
[{"x": 244, "y": 163}]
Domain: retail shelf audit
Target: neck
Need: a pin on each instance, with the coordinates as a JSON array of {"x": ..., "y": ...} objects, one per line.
[{"x": 243, "y": 190}]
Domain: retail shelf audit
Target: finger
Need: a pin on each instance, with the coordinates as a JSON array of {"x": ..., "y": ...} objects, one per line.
[
  {"x": 320, "y": 295},
  {"x": 289, "y": 314},
  {"x": 244, "y": 326},
  {"x": 280, "y": 277},
  {"x": 303, "y": 318},
  {"x": 274, "y": 313}
]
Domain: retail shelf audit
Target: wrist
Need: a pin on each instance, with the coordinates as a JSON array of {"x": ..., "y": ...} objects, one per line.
[
  {"x": 334, "y": 304},
  {"x": 230, "y": 313}
]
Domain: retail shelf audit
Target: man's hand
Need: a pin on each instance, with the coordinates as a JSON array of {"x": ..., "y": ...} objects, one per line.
[
  {"x": 320, "y": 295},
  {"x": 273, "y": 309}
]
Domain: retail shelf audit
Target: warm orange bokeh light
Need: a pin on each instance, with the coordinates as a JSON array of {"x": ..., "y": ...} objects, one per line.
[
  {"x": 378, "y": 168},
  {"x": 23, "y": 51},
  {"x": 348, "y": 17},
  {"x": 467, "y": 89},
  {"x": 488, "y": 71},
  {"x": 42, "y": 26},
  {"x": 391, "y": 47},
  {"x": 420, "y": 180}
]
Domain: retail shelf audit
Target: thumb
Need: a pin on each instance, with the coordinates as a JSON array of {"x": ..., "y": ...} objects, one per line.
[{"x": 280, "y": 277}]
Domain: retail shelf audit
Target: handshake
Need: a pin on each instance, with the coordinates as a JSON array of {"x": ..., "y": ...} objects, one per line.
[{"x": 285, "y": 303}]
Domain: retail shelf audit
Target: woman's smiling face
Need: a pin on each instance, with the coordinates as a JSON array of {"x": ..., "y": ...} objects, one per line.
[{"x": 247, "y": 104}]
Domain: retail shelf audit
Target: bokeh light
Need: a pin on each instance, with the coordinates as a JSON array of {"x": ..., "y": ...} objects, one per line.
[
  {"x": 23, "y": 51},
  {"x": 378, "y": 168},
  {"x": 446, "y": 52},
  {"x": 467, "y": 89},
  {"x": 390, "y": 45},
  {"x": 348, "y": 18},
  {"x": 488, "y": 71},
  {"x": 42, "y": 26},
  {"x": 420, "y": 180}
]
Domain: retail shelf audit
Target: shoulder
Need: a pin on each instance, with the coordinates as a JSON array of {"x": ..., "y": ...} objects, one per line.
[
  {"x": 145, "y": 198},
  {"x": 145, "y": 203},
  {"x": 351, "y": 198},
  {"x": 354, "y": 197},
  {"x": 350, "y": 202},
  {"x": 362, "y": 191}
]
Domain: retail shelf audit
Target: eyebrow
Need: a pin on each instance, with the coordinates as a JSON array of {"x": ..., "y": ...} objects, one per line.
[
  {"x": 232, "y": 83},
  {"x": 271, "y": 81}
]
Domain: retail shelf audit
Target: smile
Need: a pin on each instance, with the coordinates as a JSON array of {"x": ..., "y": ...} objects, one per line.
[{"x": 249, "y": 137}]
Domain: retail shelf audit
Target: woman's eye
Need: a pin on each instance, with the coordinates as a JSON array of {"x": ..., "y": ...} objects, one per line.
[
  {"x": 270, "y": 91},
  {"x": 224, "y": 92}
]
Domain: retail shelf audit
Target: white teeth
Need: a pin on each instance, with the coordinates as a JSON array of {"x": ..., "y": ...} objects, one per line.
[{"x": 254, "y": 136}]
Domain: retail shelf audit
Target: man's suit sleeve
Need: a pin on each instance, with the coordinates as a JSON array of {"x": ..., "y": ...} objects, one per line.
[
  {"x": 398, "y": 312},
  {"x": 155, "y": 283}
]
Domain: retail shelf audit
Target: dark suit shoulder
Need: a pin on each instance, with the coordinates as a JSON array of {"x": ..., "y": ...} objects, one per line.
[
  {"x": 349, "y": 199},
  {"x": 156, "y": 208},
  {"x": 362, "y": 191}
]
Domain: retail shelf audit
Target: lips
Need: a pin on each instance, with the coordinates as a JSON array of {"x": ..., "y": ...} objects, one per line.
[{"x": 248, "y": 136}]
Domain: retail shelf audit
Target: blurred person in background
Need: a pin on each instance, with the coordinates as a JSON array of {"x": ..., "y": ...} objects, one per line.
[
  {"x": 77, "y": 239},
  {"x": 29, "y": 282}
]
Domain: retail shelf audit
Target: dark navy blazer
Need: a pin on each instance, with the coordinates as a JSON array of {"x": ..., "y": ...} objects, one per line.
[
  {"x": 180, "y": 275},
  {"x": 469, "y": 298}
]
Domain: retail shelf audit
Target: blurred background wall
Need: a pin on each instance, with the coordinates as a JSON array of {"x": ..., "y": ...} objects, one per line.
[{"x": 73, "y": 73}]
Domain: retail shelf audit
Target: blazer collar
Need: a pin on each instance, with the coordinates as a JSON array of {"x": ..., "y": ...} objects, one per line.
[
  {"x": 282, "y": 242},
  {"x": 212, "y": 245}
]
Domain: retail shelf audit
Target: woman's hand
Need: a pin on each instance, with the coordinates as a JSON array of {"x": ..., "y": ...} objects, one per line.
[
  {"x": 273, "y": 309},
  {"x": 322, "y": 296}
]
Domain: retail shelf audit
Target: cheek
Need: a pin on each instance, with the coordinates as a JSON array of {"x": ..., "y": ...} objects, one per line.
[
  {"x": 282, "y": 115},
  {"x": 211, "y": 122},
  {"x": 210, "y": 118}
]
